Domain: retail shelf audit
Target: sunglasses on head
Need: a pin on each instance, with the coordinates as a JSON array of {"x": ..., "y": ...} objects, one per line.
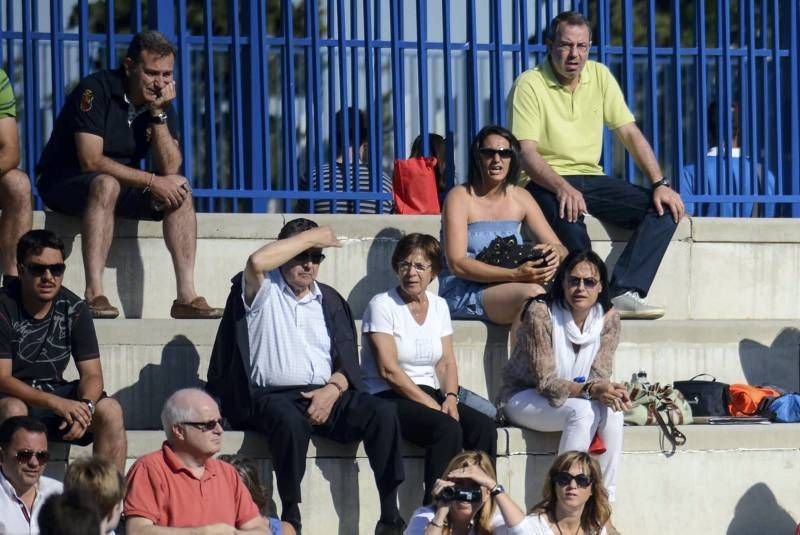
[
  {"x": 25, "y": 456},
  {"x": 38, "y": 270},
  {"x": 488, "y": 152},
  {"x": 205, "y": 426},
  {"x": 564, "y": 478},
  {"x": 588, "y": 282},
  {"x": 304, "y": 257}
]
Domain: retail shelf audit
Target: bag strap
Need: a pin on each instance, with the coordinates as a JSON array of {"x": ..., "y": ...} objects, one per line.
[
  {"x": 713, "y": 379},
  {"x": 675, "y": 437}
]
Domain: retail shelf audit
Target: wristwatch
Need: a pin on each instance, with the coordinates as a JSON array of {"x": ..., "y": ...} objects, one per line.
[
  {"x": 90, "y": 404},
  {"x": 663, "y": 181},
  {"x": 161, "y": 118},
  {"x": 586, "y": 391},
  {"x": 498, "y": 489}
]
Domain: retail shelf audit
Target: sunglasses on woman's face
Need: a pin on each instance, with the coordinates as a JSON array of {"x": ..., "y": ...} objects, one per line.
[
  {"x": 490, "y": 153},
  {"x": 565, "y": 478},
  {"x": 588, "y": 282}
]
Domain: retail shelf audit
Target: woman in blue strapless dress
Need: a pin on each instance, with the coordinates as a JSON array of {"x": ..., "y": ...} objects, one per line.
[{"x": 489, "y": 205}]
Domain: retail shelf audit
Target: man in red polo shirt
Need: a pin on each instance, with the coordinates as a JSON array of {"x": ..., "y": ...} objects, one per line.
[{"x": 182, "y": 486}]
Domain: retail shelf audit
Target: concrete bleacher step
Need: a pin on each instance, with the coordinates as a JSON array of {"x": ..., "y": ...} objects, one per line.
[
  {"x": 713, "y": 269},
  {"x": 145, "y": 360},
  {"x": 734, "y": 479}
]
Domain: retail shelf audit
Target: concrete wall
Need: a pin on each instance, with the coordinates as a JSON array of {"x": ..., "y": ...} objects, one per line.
[
  {"x": 714, "y": 268},
  {"x": 145, "y": 360},
  {"x": 725, "y": 480}
]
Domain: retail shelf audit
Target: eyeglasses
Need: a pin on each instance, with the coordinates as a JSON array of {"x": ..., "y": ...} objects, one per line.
[
  {"x": 490, "y": 153},
  {"x": 37, "y": 270},
  {"x": 405, "y": 267},
  {"x": 305, "y": 256},
  {"x": 565, "y": 478},
  {"x": 205, "y": 426},
  {"x": 25, "y": 456},
  {"x": 588, "y": 282}
]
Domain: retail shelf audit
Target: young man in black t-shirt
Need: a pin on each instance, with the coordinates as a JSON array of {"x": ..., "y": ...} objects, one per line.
[
  {"x": 90, "y": 168},
  {"x": 41, "y": 325}
]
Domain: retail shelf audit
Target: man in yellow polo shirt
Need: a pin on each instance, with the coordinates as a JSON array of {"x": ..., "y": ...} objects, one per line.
[{"x": 557, "y": 111}]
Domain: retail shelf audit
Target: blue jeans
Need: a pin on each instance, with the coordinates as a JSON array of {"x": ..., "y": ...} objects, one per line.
[{"x": 615, "y": 201}]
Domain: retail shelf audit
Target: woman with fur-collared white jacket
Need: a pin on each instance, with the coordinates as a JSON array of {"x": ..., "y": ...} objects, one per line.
[{"x": 559, "y": 375}]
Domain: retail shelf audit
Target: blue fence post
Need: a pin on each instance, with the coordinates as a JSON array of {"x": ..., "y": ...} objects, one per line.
[
  {"x": 760, "y": 70},
  {"x": 255, "y": 88},
  {"x": 161, "y": 17}
]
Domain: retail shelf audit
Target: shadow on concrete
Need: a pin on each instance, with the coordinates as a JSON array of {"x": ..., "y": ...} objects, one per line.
[
  {"x": 495, "y": 357},
  {"x": 124, "y": 256},
  {"x": 778, "y": 364},
  {"x": 343, "y": 482},
  {"x": 142, "y": 401},
  {"x": 757, "y": 512},
  {"x": 380, "y": 276}
]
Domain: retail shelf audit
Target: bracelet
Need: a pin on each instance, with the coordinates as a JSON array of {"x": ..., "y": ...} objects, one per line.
[
  {"x": 452, "y": 394},
  {"x": 444, "y": 524},
  {"x": 149, "y": 183},
  {"x": 337, "y": 385}
]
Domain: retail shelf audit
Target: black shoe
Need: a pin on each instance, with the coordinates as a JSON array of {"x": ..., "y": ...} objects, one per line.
[{"x": 394, "y": 527}]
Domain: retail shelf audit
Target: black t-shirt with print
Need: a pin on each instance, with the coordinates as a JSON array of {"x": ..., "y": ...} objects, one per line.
[
  {"x": 40, "y": 349},
  {"x": 98, "y": 106}
]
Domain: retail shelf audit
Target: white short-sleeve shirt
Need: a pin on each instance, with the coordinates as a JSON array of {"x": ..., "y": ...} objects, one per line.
[
  {"x": 419, "y": 347},
  {"x": 289, "y": 342}
]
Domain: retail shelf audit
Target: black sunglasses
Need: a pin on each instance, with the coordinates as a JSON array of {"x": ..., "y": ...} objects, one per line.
[
  {"x": 488, "y": 152},
  {"x": 206, "y": 426},
  {"x": 588, "y": 282},
  {"x": 25, "y": 456},
  {"x": 316, "y": 258},
  {"x": 564, "y": 478},
  {"x": 38, "y": 270}
]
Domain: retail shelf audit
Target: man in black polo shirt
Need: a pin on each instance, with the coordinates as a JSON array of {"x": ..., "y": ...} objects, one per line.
[
  {"x": 41, "y": 325},
  {"x": 90, "y": 167}
]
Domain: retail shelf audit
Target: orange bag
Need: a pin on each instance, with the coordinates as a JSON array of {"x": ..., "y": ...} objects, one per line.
[
  {"x": 414, "y": 186},
  {"x": 745, "y": 399}
]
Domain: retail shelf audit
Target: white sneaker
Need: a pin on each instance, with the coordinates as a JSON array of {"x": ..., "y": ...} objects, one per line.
[{"x": 631, "y": 306}]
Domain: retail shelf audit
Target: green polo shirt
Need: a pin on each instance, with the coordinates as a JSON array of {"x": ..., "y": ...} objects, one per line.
[
  {"x": 567, "y": 126},
  {"x": 8, "y": 104}
]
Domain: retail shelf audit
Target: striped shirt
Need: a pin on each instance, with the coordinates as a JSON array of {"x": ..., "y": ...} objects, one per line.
[
  {"x": 344, "y": 206},
  {"x": 8, "y": 104}
]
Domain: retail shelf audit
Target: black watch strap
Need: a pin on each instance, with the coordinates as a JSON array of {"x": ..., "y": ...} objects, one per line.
[
  {"x": 161, "y": 118},
  {"x": 663, "y": 182}
]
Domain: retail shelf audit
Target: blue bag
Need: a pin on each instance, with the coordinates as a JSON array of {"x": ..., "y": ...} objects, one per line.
[{"x": 783, "y": 409}]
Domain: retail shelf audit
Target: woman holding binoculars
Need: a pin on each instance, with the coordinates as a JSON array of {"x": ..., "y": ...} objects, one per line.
[{"x": 469, "y": 501}]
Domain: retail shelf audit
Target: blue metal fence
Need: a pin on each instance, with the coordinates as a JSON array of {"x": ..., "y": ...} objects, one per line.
[{"x": 260, "y": 82}]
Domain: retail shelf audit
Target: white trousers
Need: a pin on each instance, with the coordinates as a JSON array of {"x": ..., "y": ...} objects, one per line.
[{"x": 578, "y": 419}]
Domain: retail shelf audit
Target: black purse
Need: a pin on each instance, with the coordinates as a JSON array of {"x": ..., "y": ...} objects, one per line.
[
  {"x": 706, "y": 398},
  {"x": 504, "y": 251}
]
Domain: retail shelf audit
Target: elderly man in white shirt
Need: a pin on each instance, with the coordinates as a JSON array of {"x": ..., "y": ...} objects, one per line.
[
  {"x": 285, "y": 363},
  {"x": 23, "y": 488}
]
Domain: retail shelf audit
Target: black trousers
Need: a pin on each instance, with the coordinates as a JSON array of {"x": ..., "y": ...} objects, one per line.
[
  {"x": 442, "y": 437},
  {"x": 615, "y": 201},
  {"x": 281, "y": 416}
]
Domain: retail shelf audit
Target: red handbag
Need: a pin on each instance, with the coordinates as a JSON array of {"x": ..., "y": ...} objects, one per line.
[{"x": 414, "y": 186}]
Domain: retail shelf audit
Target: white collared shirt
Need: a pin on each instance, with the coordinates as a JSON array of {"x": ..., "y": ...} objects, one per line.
[
  {"x": 289, "y": 342},
  {"x": 15, "y": 519}
]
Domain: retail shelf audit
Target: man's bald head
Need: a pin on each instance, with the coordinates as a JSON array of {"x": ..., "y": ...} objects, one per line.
[{"x": 184, "y": 406}]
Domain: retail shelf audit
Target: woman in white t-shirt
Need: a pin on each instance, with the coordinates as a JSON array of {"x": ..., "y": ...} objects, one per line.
[
  {"x": 575, "y": 500},
  {"x": 407, "y": 358}
]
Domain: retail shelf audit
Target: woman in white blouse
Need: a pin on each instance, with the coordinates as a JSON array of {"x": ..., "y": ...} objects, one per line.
[{"x": 407, "y": 358}]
